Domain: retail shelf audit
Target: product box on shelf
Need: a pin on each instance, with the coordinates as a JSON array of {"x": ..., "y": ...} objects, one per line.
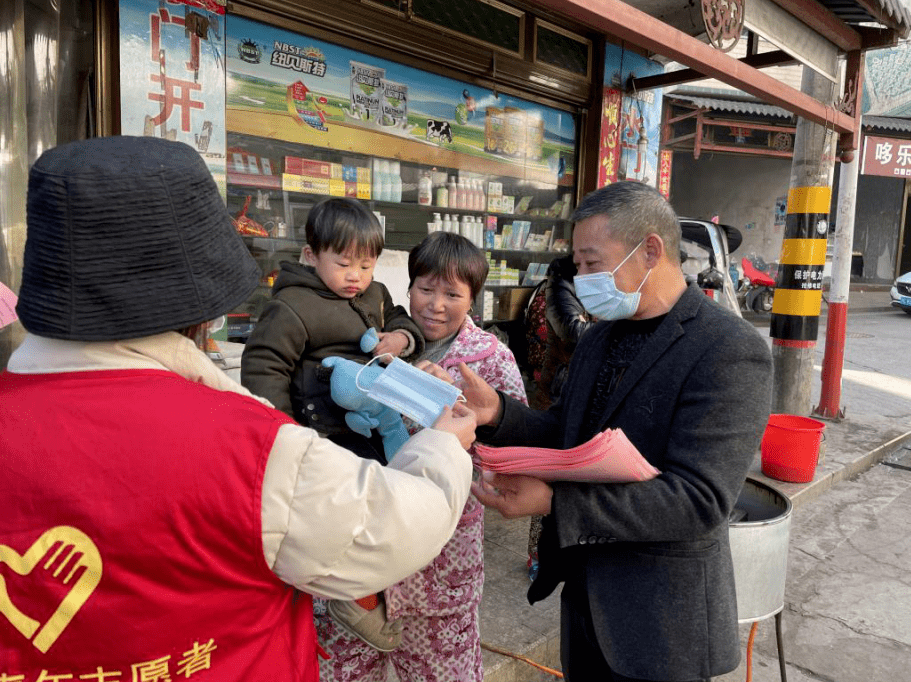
[
  {"x": 317, "y": 169},
  {"x": 536, "y": 273},
  {"x": 488, "y": 305},
  {"x": 336, "y": 188},
  {"x": 521, "y": 228},
  {"x": 513, "y": 301},
  {"x": 494, "y": 197},
  {"x": 299, "y": 183},
  {"x": 507, "y": 237}
]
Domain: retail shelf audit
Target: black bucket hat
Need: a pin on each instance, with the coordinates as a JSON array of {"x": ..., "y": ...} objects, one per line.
[{"x": 127, "y": 237}]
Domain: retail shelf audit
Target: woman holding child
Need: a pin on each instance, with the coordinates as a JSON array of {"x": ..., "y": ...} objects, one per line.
[{"x": 437, "y": 606}]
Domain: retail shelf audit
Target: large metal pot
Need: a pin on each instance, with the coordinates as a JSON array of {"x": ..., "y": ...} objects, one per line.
[{"x": 759, "y": 531}]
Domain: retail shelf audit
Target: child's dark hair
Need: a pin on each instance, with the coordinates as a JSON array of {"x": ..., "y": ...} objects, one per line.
[
  {"x": 340, "y": 224},
  {"x": 450, "y": 256}
]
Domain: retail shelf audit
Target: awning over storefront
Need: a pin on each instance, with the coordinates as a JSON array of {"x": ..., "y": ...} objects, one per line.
[
  {"x": 675, "y": 30},
  {"x": 736, "y": 106},
  {"x": 902, "y": 125}
]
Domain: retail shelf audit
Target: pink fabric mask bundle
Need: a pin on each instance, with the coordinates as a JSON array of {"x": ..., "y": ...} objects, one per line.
[{"x": 609, "y": 457}]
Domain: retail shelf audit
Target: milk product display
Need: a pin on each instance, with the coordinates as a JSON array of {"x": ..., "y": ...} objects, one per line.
[
  {"x": 385, "y": 184},
  {"x": 425, "y": 189},
  {"x": 366, "y": 90},
  {"x": 453, "y": 190},
  {"x": 442, "y": 196},
  {"x": 465, "y": 226},
  {"x": 395, "y": 182}
]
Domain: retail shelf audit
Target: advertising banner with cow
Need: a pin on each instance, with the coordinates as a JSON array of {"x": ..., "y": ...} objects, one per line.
[{"x": 290, "y": 87}]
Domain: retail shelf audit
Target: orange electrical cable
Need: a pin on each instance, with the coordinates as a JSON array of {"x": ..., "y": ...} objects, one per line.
[
  {"x": 750, "y": 651},
  {"x": 504, "y": 652}
]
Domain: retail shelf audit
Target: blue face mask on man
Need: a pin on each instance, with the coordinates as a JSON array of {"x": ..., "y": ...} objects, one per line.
[{"x": 600, "y": 296}]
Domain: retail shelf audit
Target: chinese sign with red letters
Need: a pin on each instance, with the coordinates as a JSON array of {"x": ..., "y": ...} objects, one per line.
[
  {"x": 639, "y": 126},
  {"x": 172, "y": 75},
  {"x": 609, "y": 151},
  {"x": 887, "y": 156},
  {"x": 665, "y": 161}
]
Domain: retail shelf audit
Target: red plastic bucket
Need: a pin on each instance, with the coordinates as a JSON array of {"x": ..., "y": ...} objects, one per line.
[{"x": 790, "y": 448}]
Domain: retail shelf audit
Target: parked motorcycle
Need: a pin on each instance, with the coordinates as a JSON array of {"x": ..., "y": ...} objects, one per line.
[
  {"x": 709, "y": 245},
  {"x": 756, "y": 288}
]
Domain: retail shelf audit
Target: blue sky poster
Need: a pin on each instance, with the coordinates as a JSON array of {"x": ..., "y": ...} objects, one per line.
[
  {"x": 172, "y": 79},
  {"x": 638, "y": 110}
]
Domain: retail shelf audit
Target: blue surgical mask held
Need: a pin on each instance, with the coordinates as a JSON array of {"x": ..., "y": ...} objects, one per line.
[
  {"x": 600, "y": 296},
  {"x": 411, "y": 392}
]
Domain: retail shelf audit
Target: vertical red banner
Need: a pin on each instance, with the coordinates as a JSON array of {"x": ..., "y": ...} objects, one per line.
[
  {"x": 609, "y": 151},
  {"x": 665, "y": 160}
]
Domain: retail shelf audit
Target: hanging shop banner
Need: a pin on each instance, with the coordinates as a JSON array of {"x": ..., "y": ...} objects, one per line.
[
  {"x": 665, "y": 162},
  {"x": 886, "y": 156},
  {"x": 172, "y": 75},
  {"x": 640, "y": 114},
  {"x": 609, "y": 149},
  {"x": 291, "y": 87}
]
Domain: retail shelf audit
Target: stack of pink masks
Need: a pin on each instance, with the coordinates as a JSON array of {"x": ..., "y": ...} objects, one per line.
[{"x": 609, "y": 457}]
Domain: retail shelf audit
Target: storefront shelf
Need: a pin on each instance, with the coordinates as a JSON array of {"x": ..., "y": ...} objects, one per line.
[{"x": 255, "y": 181}]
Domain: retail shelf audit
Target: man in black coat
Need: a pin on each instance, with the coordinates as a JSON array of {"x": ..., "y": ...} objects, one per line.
[{"x": 648, "y": 578}]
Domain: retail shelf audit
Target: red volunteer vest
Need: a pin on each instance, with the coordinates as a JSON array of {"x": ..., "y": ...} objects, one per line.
[{"x": 130, "y": 534}]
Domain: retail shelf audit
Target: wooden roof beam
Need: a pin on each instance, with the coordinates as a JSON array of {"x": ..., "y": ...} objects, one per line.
[
  {"x": 616, "y": 18},
  {"x": 824, "y": 22},
  {"x": 757, "y": 61}
]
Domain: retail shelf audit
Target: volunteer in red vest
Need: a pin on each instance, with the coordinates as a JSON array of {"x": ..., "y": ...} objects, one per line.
[{"x": 157, "y": 521}]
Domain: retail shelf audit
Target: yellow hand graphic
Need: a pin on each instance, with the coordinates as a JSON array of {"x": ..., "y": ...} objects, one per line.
[{"x": 72, "y": 540}]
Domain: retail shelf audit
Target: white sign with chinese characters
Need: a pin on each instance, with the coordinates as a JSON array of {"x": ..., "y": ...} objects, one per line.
[{"x": 172, "y": 75}]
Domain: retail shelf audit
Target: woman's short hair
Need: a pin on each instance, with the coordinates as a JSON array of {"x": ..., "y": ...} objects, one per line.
[
  {"x": 344, "y": 224},
  {"x": 450, "y": 256},
  {"x": 634, "y": 210}
]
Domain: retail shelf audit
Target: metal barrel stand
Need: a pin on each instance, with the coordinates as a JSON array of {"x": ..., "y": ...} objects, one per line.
[{"x": 759, "y": 533}]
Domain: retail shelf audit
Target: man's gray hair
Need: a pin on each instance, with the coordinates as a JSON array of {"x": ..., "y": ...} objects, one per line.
[{"x": 634, "y": 211}]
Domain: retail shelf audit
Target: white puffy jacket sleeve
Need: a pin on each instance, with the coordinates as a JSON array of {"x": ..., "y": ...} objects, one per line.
[{"x": 338, "y": 526}]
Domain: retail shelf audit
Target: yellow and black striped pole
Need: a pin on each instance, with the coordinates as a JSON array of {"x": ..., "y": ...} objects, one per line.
[{"x": 798, "y": 286}]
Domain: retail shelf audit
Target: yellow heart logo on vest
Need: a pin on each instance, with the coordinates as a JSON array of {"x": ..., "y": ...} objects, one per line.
[{"x": 72, "y": 542}]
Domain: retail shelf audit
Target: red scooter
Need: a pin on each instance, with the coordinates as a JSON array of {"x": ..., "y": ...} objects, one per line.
[{"x": 756, "y": 289}]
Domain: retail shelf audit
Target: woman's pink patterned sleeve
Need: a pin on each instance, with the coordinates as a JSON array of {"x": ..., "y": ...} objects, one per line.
[{"x": 501, "y": 371}]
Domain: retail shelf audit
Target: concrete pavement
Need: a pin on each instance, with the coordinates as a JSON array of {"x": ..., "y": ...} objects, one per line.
[
  {"x": 847, "y": 600},
  {"x": 847, "y": 614}
]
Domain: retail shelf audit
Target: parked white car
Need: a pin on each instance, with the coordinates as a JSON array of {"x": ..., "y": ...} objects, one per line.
[{"x": 901, "y": 293}]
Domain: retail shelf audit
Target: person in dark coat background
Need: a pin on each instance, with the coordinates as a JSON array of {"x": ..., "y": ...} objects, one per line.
[
  {"x": 565, "y": 319},
  {"x": 648, "y": 577}
]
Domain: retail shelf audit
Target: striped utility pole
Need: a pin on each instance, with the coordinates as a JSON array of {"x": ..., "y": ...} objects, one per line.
[{"x": 798, "y": 286}]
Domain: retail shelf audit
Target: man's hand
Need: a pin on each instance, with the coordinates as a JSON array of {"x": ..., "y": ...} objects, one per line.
[
  {"x": 481, "y": 397},
  {"x": 513, "y": 496},
  {"x": 392, "y": 343},
  {"x": 459, "y": 421}
]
